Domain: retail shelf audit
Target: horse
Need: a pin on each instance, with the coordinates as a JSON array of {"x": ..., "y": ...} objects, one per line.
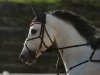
[{"x": 74, "y": 38}]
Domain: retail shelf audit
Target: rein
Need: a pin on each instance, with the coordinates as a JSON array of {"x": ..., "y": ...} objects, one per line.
[{"x": 41, "y": 37}]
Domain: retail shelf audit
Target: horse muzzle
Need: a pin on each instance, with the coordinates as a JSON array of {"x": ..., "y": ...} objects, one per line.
[{"x": 28, "y": 58}]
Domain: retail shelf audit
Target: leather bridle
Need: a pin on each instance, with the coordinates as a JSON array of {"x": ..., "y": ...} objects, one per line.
[{"x": 41, "y": 37}]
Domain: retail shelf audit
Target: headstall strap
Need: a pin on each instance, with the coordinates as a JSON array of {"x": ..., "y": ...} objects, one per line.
[{"x": 35, "y": 22}]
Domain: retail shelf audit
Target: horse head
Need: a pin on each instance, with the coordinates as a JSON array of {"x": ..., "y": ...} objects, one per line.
[{"x": 38, "y": 40}]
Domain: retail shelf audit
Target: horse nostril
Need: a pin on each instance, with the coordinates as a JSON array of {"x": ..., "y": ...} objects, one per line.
[{"x": 22, "y": 57}]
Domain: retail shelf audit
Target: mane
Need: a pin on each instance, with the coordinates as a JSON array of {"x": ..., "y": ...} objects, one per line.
[{"x": 80, "y": 23}]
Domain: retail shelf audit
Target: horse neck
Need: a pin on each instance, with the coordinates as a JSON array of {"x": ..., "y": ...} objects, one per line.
[{"x": 67, "y": 35}]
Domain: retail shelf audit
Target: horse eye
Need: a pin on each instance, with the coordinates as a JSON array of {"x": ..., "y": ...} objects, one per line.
[{"x": 33, "y": 31}]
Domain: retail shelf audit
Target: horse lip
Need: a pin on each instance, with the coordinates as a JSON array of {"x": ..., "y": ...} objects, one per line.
[
  {"x": 29, "y": 60},
  {"x": 23, "y": 59}
]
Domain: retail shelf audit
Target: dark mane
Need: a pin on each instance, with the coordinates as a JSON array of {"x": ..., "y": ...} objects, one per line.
[{"x": 80, "y": 23}]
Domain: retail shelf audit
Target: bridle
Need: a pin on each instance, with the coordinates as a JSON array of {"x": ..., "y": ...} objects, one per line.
[{"x": 41, "y": 37}]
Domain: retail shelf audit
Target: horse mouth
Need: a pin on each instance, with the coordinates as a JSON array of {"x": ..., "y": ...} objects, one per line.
[
  {"x": 28, "y": 60},
  {"x": 31, "y": 58}
]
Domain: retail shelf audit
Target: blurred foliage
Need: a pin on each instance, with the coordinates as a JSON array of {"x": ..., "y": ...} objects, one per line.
[
  {"x": 31, "y": 1},
  {"x": 95, "y": 3},
  {"x": 89, "y": 2}
]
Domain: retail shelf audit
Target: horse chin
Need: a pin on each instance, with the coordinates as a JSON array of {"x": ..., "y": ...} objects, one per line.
[{"x": 29, "y": 61}]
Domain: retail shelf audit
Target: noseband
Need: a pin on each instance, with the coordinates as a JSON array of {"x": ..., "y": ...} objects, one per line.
[{"x": 41, "y": 37}]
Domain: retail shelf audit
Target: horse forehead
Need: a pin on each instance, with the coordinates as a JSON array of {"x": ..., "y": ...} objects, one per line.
[{"x": 35, "y": 26}]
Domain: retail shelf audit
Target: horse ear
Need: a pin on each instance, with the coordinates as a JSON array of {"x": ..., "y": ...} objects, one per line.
[
  {"x": 39, "y": 13},
  {"x": 36, "y": 10}
]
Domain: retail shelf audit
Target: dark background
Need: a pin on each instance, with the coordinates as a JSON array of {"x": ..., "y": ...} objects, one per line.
[{"x": 15, "y": 17}]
